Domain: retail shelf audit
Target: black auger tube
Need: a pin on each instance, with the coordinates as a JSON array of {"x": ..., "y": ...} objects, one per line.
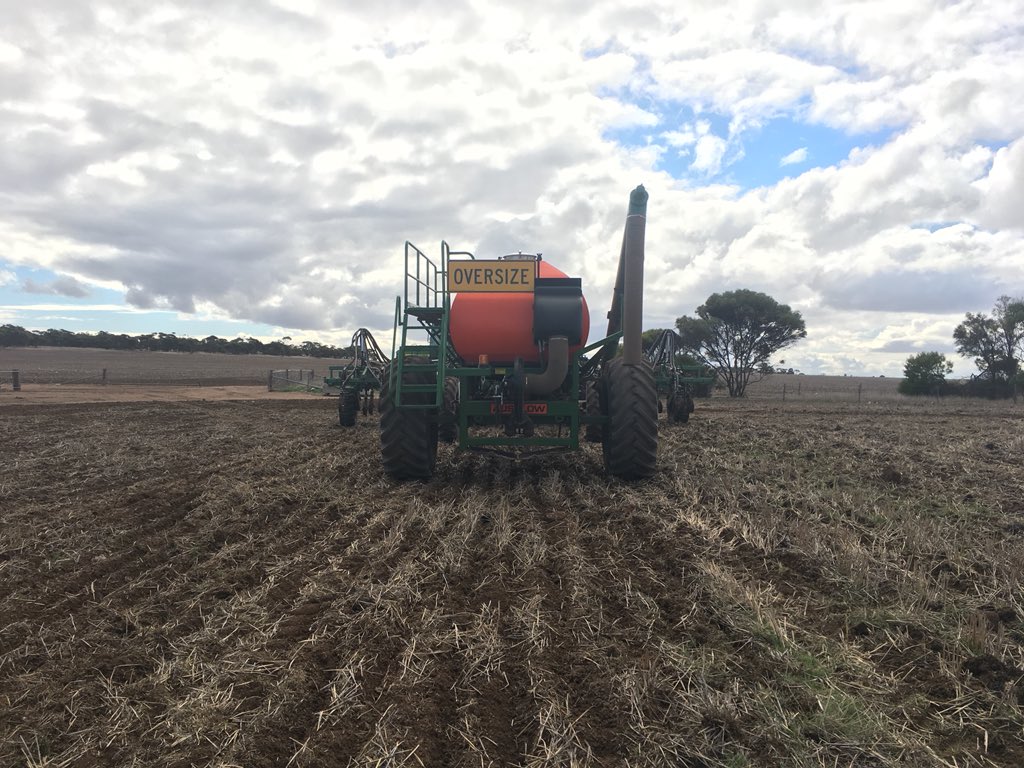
[
  {"x": 629, "y": 279},
  {"x": 633, "y": 261},
  {"x": 615, "y": 313}
]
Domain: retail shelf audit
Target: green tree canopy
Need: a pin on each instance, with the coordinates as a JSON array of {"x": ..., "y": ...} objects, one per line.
[
  {"x": 996, "y": 342},
  {"x": 925, "y": 373},
  {"x": 736, "y": 333}
]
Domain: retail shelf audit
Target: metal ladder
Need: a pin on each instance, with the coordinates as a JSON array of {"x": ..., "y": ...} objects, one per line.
[{"x": 424, "y": 309}]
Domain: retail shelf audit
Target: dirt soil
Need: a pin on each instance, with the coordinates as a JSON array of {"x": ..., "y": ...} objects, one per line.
[
  {"x": 236, "y": 583},
  {"x": 64, "y": 394},
  {"x": 73, "y": 365}
]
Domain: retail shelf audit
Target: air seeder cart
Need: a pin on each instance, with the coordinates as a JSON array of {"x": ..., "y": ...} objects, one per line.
[{"x": 493, "y": 354}]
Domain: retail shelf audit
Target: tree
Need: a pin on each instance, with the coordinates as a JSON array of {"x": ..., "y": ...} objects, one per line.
[
  {"x": 736, "y": 333},
  {"x": 995, "y": 343},
  {"x": 16, "y": 336},
  {"x": 925, "y": 374}
]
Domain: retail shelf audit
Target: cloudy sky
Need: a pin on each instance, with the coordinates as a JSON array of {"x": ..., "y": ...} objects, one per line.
[{"x": 253, "y": 167}]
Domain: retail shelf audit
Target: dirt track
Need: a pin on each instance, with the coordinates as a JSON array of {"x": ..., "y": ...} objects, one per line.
[
  {"x": 236, "y": 583},
  {"x": 71, "y": 394}
]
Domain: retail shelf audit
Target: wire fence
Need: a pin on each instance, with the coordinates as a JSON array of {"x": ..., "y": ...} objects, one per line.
[
  {"x": 276, "y": 380},
  {"x": 781, "y": 388},
  {"x": 863, "y": 390},
  {"x": 294, "y": 380},
  {"x": 849, "y": 389},
  {"x": 66, "y": 365}
]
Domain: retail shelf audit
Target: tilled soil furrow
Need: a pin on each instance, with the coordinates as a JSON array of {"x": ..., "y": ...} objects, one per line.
[{"x": 240, "y": 584}]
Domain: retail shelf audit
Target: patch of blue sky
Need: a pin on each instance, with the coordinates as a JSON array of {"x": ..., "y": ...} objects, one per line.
[
  {"x": 933, "y": 226},
  {"x": 13, "y": 292},
  {"x": 762, "y": 159},
  {"x": 994, "y": 146},
  {"x": 104, "y": 309},
  {"x": 596, "y": 51},
  {"x": 753, "y": 158}
]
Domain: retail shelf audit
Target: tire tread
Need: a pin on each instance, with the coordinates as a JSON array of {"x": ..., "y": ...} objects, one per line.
[
  {"x": 408, "y": 439},
  {"x": 631, "y": 435}
]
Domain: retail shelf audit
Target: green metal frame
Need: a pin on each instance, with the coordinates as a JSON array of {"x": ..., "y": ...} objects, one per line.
[
  {"x": 684, "y": 379},
  {"x": 424, "y": 310},
  {"x": 363, "y": 374},
  {"x": 344, "y": 377},
  {"x": 670, "y": 377},
  {"x": 427, "y": 284}
]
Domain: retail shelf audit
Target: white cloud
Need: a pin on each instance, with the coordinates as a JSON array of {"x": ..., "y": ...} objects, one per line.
[
  {"x": 681, "y": 139},
  {"x": 266, "y": 164},
  {"x": 63, "y": 285},
  {"x": 1002, "y": 190},
  {"x": 10, "y": 53},
  {"x": 7, "y": 277},
  {"x": 698, "y": 141},
  {"x": 795, "y": 157},
  {"x": 747, "y": 83},
  {"x": 708, "y": 153}
]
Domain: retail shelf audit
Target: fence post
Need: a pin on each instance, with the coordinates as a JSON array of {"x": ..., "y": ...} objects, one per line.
[
  {"x": 798, "y": 387},
  {"x": 104, "y": 379},
  {"x": 270, "y": 380},
  {"x": 858, "y": 392},
  {"x": 783, "y": 393},
  {"x": 16, "y": 381}
]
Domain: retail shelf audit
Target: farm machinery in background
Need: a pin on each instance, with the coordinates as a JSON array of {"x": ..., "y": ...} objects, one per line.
[
  {"x": 357, "y": 381},
  {"x": 677, "y": 381},
  {"x": 494, "y": 355}
]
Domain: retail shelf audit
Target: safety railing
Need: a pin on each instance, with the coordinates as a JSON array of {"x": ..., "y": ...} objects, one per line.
[
  {"x": 447, "y": 253},
  {"x": 424, "y": 279}
]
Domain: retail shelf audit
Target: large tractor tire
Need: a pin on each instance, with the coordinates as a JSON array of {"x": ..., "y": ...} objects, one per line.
[
  {"x": 448, "y": 429},
  {"x": 594, "y": 433},
  {"x": 408, "y": 438},
  {"x": 680, "y": 406},
  {"x": 348, "y": 407},
  {"x": 630, "y": 400}
]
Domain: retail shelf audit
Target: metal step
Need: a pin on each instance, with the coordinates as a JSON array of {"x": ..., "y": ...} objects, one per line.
[
  {"x": 420, "y": 349},
  {"x": 419, "y": 368},
  {"x": 418, "y": 388},
  {"x": 425, "y": 313}
]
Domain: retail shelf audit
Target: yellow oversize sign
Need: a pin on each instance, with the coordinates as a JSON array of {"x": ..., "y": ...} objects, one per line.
[{"x": 491, "y": 276}]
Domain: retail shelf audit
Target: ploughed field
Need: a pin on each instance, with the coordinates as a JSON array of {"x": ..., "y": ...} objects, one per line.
[
  {"x": 68, "y": 365},
  {"x": 236, "y": 583}
]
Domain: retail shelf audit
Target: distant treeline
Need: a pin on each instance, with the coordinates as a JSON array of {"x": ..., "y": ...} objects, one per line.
[{"x": 16, "y": 336}]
